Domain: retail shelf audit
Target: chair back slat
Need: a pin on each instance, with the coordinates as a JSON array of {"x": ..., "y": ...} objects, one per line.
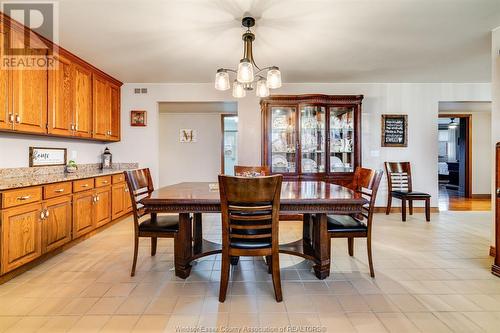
[
  {"x": 398, "y": 176},
  {"x": 366, "y": 182},
  {"x": 140, "y": 185},
  {"x": 251, "y": 171},
  {"x": 250, "y": 209}
]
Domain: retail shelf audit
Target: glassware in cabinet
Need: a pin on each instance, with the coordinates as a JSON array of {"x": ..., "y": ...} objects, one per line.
[
  {"x": 313, "y": 138},
  {"x": 283, "y": 140},
  {"x": 341, "y": 139}
]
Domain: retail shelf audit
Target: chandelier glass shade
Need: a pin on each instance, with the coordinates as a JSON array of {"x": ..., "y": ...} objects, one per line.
[{"x": 249, "y": 76}]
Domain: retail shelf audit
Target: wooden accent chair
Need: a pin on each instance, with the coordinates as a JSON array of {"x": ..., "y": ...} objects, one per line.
[
  {"x": 250, "y": 219},
  {"x": 140, "y": 186},
  {"x": 354, "y": 226},
  {"x": 251, "y": 171},
  {"x": 400, "y": 187}
]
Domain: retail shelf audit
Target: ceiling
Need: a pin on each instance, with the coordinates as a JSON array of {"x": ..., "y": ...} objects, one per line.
[{"x": 310, "y": 40}]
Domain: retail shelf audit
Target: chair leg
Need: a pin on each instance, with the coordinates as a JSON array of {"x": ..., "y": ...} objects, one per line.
[
  {"x": 403, "y": 209},
  {"x": 410, "y": 205},
  {"x": 428, "y": 209},
  {"x": 136, "y": 249},
  {"x": 269, "y": 261},
  {"x": 235, "y": 260},
  {"x": 224, "y": 277},
  {"x": 350, "y": 245},
  {"x": 154, "y": 242},
  {"x": 369, "y": 249},
  {"x": 275, "y": 263},
  {"x": 389, "y": 204}
]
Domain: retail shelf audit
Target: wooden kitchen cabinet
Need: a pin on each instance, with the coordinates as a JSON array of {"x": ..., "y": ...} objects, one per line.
[
  {"x": 83, "y": 213},
  {"x": 82, "y": 101},
  {"x": 5, "y": 76},
  {"x": 56, "y": 225},
  {"x": 21, "y": 236},
  {"x": 128, "y": 200},
  {"x": 102, "y": 205},
  {"x": 60, "y": 113},
  {"x": 114, "y": 134},
  {"x": 101, "y": 107},
  {"x": 118, "y": 204}
]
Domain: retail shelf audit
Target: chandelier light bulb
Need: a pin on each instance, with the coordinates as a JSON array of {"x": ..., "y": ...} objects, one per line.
[
  {"x": 245, "y": 71},
  {"x": 274, "y": 78},
  {"x": 261, "y": 89},
  {"x": 222, "y": 80},
  {"x": 238, "y": 90}
]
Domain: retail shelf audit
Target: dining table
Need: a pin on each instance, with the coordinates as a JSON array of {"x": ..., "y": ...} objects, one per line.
[{"x": 313, "y": 199}]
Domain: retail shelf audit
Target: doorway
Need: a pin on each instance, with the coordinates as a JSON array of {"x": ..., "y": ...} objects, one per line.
[{"x": 229, "y": 143}]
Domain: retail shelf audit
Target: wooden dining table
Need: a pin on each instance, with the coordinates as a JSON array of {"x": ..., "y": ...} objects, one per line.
[{"x": 313, "y": 199}]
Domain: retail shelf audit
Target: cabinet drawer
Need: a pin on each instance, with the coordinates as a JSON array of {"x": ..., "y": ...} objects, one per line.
[
  {"x": 83, "y": 185},
  {"x": 21, "y": 196},
  {"x": 102, "y": 181},
  {"x": 118, "y": 178},
  {"x": 56, "y": 190}
]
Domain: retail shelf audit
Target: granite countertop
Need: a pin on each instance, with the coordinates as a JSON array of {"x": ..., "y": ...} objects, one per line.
[{"x": 7, "y": 183}]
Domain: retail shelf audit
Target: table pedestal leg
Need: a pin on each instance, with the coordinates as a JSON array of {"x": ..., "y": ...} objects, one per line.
[
  {"x": 197, "y": 232},
  {"x": 183, "y": 247},
  {"x": 322, "y": 249},
  {"x": 306, "y": 228}
]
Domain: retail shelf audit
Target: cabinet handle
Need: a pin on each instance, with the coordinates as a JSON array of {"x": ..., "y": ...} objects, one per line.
[
  {"x": 61, "y": 190},
  {"x": 46, "y": 213},
  {"x": 76, "y": 127},
  {"x": 104, "y": 181},
  {"x": 42, "y": 215},
  {"x": 96, "y": 198},
  {"x": 85, "y": 185},
  {"x": 11, "y": 117},
  {"x": 26, "y": 197},
  {"x": 18, "y": 119},
  {"x": 126, "y": 190},
  {"x": 72, "y": 127}
]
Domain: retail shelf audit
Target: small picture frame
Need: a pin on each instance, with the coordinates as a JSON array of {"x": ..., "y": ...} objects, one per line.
[
  {"x": 138, "y": 118},
  {"x": 187, "y": 135},
  {"x": 394, "y": 130},
  {"x": 39, "y": 156}
]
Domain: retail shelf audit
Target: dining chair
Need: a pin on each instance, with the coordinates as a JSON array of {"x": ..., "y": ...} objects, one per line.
[
  {"x": 358, "y": 225},
  {"x": 250, "y": 216},
  {"x": 251, "y": 171},
  {"x": 400, "y": 187},
  {"x": 140, "y": 186}
]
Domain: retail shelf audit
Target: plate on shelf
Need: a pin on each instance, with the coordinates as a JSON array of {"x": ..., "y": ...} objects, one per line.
[
  {"x": 309, "y": 165},
  {"x": 279, "y": 145},
  {"x": 309, "y": 142},
  {"x": 279, "y": 161},
  {"x": 280, "y": 122}
]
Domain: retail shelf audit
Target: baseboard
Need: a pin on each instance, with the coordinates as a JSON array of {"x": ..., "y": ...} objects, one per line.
[
  {"x": 493, "y": 251},
  {"x": 481, "y": 196},
  {"x": 398, "y": 210}
]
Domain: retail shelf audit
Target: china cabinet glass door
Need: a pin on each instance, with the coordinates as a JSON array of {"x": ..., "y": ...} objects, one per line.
[
  {"x": 283, "y": 140},
  {"x": 341, "y": 139},
  {"x": 312, "y": 138}
]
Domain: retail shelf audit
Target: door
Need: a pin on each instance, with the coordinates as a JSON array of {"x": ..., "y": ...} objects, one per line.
[
  {"x": 83, "y": 213},
  {"x": 341, "y": 139},
  {"x": 115, "y": 113},
  {"x": 82, "y": 101},
  {"x": 229, "y": 145},
  {"x": 5, "y": 117},
  {"x": 60, "y": 119},
  {"x": 283, "y": 143},
  {"x": 102, "y": 108},
  {"x": 118, "y": 204},
  {"x": 312, "y": 139},
  {"x": 21, "y": 236},
  {"x": 103, "y": 206},
  {"x": 56, "y": 227}
]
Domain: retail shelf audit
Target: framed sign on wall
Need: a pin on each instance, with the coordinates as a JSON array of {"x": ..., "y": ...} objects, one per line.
[
  {"x": 187, "y": 135},
  {"x": 394, "y": 130},
  {"x": 47, "y": 156}
]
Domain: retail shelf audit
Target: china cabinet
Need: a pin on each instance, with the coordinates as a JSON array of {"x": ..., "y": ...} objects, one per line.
[{"x": 315, "y": 137}]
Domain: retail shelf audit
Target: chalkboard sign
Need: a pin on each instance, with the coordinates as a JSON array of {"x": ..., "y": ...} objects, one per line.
[{"x": 394, "y": 130}]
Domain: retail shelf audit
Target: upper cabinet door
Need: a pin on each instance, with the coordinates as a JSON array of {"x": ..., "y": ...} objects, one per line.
[
  {"x": 102, "y": 108},
  {"x": 60, "y": 116},
  {"x": 29, "y": 95},
  {"x": 115, "y": 113},
  {"x": 5, "y": 115},
  {"x": 82, "y": 98},
  {"x": 313, "y": 138}
]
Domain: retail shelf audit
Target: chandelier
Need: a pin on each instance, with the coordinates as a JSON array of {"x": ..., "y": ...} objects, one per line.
[{"x": 249, "y": 75}]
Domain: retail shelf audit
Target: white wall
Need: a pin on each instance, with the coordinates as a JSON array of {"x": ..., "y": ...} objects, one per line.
[
  {"x": 419, "y": 101},
  {"x": 14, "y": 149},
  {"x": 196, "y": 161},
  {"x": 481, "y": 150}
]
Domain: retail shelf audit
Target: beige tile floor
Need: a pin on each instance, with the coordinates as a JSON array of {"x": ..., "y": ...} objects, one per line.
[{"x": 429, "y": 278}]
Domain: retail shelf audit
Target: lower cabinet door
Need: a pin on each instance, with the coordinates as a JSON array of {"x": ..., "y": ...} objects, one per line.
[
  {"x": 128, "y": 201},
  {"x": 83, "y": 213},
  {"x": 21, "y": 236},
  {"x": 118, "y": 204},
  {"x": 56, "y": 227},
  {"x": 103, "y": 206}
]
